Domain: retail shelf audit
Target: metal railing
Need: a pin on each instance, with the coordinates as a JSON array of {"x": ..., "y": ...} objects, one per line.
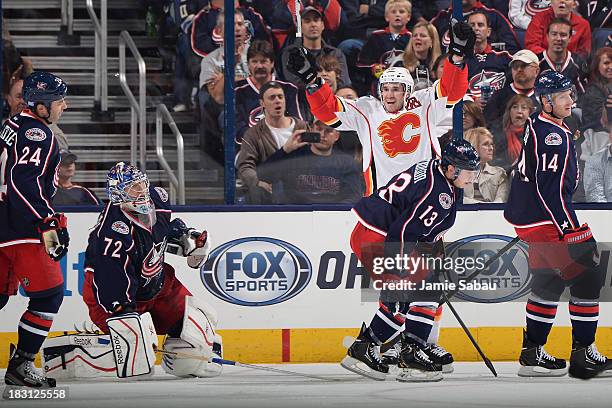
[
  {"x": 101, "y": 49},
  {"x": 68, "y": 16},
  {"x": 177, "y": 184},
  {"x": 138, "y": 109}
]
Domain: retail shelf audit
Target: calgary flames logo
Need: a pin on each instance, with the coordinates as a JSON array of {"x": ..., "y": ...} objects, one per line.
[{"x": 400, "y": 135}]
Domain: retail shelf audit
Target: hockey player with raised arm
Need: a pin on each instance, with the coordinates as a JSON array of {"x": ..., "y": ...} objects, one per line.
[
  {"x": 132, "y": 293},
  {"x": 401, "y": 128},
  {"x": 561, "y": 251},
  {"x": 33, "y": 236},
  {"x": 411, "y": 213}
]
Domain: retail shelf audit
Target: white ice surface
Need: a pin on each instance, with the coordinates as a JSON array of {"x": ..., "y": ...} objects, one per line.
[{"x": 470, "y": 386}]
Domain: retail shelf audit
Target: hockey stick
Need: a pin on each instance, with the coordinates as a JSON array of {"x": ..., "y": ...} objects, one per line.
[
  {"x": 223, "y": 361},
  {"x": 298, "y": 21},
  {"x": 486, "y": 360}
]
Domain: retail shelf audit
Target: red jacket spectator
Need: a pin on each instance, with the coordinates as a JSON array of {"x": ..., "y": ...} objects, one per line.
[{"x": 580, "y": 42}]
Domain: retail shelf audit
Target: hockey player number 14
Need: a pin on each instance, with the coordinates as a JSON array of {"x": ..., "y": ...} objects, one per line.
[{"x": 552, "y": 165}]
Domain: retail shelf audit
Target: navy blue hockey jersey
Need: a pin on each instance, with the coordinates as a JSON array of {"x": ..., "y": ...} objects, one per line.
[
  {"x": 126, "y": 256},
  {"x": 205, "y": 36},
  {"x": 248, "y": 106},
  {"x": 573, "y": 67},
  {"x": 29, "y": 161},
  {"x": 379, "y": 43},
  {"x": 489, "y": 66},
  {"x": 546, "y": 177},
  {"x": 418, "y": 205}
]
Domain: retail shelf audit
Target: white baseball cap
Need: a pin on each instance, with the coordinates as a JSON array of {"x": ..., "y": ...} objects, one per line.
[{"x": 526, "y": 56}]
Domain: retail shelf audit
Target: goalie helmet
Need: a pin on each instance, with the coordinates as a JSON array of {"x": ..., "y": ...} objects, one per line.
[
  {"x": 43, "y": 87},
  {"x": 397, "y": 75},
  {"x": 127, "y": 185}
]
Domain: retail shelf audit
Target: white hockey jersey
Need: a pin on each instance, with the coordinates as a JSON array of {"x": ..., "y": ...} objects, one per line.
[{"x": 394, "y": 142}]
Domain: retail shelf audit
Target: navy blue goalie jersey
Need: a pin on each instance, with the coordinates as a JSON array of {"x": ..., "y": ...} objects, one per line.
[
  {"x": 29, "y": 161},
  {"x": 546, "y": 177},
  {"x": 417, "y": 205},
  {"x": 126, "y": 255}
]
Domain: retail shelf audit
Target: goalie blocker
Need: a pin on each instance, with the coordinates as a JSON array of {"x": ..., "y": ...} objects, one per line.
[{"x": 129, "y": 351}]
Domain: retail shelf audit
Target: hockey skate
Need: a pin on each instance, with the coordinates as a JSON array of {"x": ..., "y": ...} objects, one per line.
[
  {"x": 439, "y": 355},
  {"x": 391, "y": 356},
  {"x": 536, "y": 362},
  {"x": 363, "y": 358},
  {"x": 415, "y": 365},
  {"x": 21, "y": 372},
  {"x": 586, "y": 362}
]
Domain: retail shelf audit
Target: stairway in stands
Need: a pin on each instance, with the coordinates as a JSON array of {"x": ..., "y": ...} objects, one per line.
[{"x": 34, "y": 26}]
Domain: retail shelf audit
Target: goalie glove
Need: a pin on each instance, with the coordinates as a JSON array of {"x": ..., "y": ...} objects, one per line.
[
  {"x": 54, "y": 235},
  {"x": 187, "y": 242}
]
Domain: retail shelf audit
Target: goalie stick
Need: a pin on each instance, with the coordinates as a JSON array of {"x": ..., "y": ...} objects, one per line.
[{"x": 223, "y": 361}]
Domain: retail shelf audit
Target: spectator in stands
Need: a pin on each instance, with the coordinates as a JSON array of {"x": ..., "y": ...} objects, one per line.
[
  {"x": 422, "y": 52},
  {"x": 212, "y": 64},
  {"x": 389, "y": 42},
  {"x": 438, "y": 66},
  {"x": 580, "y": 41},
  {"x": 486, "y": 65},
  {"x": 211, "y": 96},
  {"x": 312, "y": 173},
  {"x": 599, "y": 15},
  {"x": 525, "y": 69},
  {"x": 595, "y": 101},
  {"x": 312, "y": 40},
  {"x": 508, "y": 134},
  {"x": 14, "y": 65},
  {"x": 263, "y": 139},
  {"x": 260, "y": 59},
  {"x": 186, "y": 65},
  {"x": 503, "y": 36},
  {"x": 492, "y": 184},
  {"x": 598, "y": 173},
  {"x": 16, "y": 104},
  {"x": 349, "y": 140},
  {"x": 347, "y": 92},
  {"x": 472, "y": 116},
  {"x": 558, "y": 58},
  {"x": 283, "y": 20},
  {"x": 207, "y": 35},
  {"x": 69, "y": 193},
  {"x": 522, "y": 11},
  {"x": 328, "y": 68}
]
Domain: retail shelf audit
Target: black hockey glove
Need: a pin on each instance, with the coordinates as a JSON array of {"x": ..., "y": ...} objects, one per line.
[
  {"x": 301, "y": 63},
  {"x": 462, "y": 39},
  {"x": 581, "y": 246},
  {"x": 54, "y": 234}
]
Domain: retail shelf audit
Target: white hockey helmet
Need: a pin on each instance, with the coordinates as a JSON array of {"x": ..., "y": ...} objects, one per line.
[{"x": 398, "y": 75}]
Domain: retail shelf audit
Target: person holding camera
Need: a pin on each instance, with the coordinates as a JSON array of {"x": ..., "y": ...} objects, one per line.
[{"x": 307, "y": 170}]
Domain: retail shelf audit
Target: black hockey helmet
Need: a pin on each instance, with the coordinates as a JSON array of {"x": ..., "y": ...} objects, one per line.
[
  {"x": 461, "y": 154},
  {"x": 43, "y": 87}
]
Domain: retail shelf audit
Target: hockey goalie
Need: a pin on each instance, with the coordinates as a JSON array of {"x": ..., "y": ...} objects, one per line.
[{"x": 133, "y": 295}]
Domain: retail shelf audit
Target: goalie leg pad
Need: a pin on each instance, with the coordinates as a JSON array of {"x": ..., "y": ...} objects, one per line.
[
  {"x": 199, "y": 338},
  {"x": 190, "y": 367},
  {"x": 79, "y": 356},
  {"x": 133, "y": 339}
]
